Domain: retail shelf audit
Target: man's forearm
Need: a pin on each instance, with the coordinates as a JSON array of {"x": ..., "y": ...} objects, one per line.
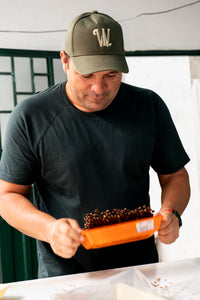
[
  {"x": 175, "y": 190},
  {"x": 175, "y": 196},
  {"x": 20, "y": 213},
  {"x": 63, "y": 235}
]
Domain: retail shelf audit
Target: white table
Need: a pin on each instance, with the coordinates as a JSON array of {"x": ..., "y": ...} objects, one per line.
[{"x": 178, "y": 280}]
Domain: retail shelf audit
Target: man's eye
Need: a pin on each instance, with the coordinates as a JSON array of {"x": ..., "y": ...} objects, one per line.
[
  {"x": 87, "y": 76},
  {"x": 112, "y": 74}
]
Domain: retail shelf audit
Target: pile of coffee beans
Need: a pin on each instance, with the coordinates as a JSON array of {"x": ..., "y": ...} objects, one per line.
[{"x": 114, "y": 216}]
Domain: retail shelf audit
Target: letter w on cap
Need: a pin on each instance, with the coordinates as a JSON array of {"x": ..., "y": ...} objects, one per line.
[{"x": 104, "y": 39}]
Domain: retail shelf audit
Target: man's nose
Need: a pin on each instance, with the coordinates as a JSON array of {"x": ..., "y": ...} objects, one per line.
[{"x": 98, "y": 86}]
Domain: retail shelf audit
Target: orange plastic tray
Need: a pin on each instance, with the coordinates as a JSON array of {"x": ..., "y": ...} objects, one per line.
[{"x": 120, "y": 233}]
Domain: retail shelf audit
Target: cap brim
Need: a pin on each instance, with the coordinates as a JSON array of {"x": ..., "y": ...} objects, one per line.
[{"x": 97, "y": 63}]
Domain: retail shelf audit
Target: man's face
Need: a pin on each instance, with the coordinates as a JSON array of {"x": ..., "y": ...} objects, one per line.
[{"x": 92, "y": 92}]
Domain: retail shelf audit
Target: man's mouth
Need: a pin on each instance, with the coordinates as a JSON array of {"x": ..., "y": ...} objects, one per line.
[{"x": 97, "y": 98}]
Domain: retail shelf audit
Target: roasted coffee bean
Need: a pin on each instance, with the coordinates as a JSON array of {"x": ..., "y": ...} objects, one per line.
[{"x": 116, "y": 215}]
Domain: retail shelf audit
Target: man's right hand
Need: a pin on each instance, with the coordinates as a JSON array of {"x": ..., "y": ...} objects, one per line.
[{"x": 64, "y": 237}]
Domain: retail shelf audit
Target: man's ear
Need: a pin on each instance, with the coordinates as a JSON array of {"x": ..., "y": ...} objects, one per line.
[{"x": 64, "y": 60}]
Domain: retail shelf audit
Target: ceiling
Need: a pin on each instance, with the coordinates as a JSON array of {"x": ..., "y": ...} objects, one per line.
[{"x": 147, "y": 24}]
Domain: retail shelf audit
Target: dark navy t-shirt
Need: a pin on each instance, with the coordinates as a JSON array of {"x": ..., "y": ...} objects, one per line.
[{"x": 80, "y": 161}]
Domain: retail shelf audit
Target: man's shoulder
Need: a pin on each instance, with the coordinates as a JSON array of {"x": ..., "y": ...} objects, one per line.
[
  {"x": 51, "y": 94},
  {"x": 37, "y": 112},
  {"x": 136, "y": 90},
  {"x": 143, "y": 99},
  {"x": 44, "y": 102}
]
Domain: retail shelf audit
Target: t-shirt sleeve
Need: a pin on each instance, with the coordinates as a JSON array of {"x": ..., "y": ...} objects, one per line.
[
  {"x": 169, "y": 154},
  {"x": 19, "y": 163}
]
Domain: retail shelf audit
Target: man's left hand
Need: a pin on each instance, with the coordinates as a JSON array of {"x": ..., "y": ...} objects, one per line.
[{"x": 169, "y": 228}]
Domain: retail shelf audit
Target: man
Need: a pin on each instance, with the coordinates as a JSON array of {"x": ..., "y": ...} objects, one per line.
[{"x": 89, "y": 143}]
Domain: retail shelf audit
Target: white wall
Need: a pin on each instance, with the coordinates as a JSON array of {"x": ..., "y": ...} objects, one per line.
[
  {"x": 147, "y": 25},
  {"x": 171, "y": 77}
]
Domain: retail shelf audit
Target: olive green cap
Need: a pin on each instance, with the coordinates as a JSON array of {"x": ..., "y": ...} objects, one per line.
[{"x": 95, "y": 43}]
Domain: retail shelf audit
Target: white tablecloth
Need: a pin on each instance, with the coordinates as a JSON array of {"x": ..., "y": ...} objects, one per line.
[{"x": 178, "y": 280}]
